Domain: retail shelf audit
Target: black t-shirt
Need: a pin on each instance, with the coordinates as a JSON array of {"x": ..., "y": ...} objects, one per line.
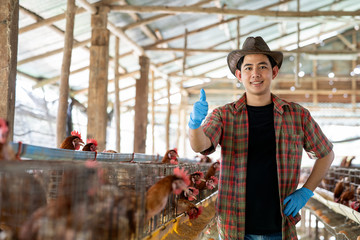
[{"x": 262, "y": 214}]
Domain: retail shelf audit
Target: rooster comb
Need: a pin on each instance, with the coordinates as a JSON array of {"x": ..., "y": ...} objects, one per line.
[
  {"x": 182, "y": 173},
  {"x": 76, "y": 133},
  {"x": 91, "y": 140}
]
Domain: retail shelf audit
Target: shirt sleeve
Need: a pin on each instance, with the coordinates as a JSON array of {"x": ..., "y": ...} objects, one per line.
[
  {"x": 316, "y": 144},
  {"x": 212, "y": 128}
]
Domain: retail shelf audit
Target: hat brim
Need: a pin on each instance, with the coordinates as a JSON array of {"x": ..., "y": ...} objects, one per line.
[{"x": 234, "y": 57}]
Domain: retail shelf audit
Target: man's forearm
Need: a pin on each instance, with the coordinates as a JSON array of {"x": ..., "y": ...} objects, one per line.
[
  {"x": 198, "y": 140},
  {"x": 319, "y": 171}
]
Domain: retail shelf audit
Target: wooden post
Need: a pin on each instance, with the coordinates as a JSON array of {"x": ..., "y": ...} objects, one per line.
[
  {"x": 65, "y": 72},
  {"x": 98, "y": 80},
  {"x": 117, "y": 95},
  {"x": 9, "y": 19},
  {"x": 141, "y": 106},
  {"x": 168, "y": 115}
]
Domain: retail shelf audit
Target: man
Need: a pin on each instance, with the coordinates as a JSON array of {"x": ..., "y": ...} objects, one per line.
[{"x": 261, "y": 138}]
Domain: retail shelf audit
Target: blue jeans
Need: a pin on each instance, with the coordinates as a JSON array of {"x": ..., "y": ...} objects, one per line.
[{"x": 273, "y": 236}]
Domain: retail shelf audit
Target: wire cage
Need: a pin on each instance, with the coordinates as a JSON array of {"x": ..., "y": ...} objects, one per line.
[{"x": 83, "y": 199}]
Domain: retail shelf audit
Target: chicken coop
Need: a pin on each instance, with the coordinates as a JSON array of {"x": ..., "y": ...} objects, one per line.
[
  {"x": 125, "y": 75},
  {"x": 88, "y": 199}
]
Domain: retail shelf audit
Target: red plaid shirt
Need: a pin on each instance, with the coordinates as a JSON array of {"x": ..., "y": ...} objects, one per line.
[{"x": 228, "y": 126}]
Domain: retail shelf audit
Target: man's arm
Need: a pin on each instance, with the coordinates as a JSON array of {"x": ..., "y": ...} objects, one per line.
[
  {"x": 297, "y": 200},
  {"x": 198, "y": 140},
  {"x": 319, "y": 170}
]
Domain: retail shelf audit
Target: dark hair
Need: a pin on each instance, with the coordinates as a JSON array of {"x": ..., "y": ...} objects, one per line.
[{"x": 241, "y": 60}]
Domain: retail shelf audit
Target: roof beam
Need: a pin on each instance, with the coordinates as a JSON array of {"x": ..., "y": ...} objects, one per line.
[{"x": 235, "y": 12}]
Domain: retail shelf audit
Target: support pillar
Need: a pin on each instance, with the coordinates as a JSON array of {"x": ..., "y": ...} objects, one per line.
[
  {"x": 141, "y": 106},
  {"x": 9, "y": 18},
  {"x": 98, "y": 80}
]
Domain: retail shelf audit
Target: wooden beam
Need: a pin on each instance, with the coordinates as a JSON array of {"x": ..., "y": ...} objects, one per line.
[
  {"x": 65, "y": 72},
  {"x": 141, "y": 106},
  {"x": 47, "y": 21},
  {"x": 235, "y": 12},
  {"x": 9, "y": 20},
  {"x": 51, "y": 53},
  {"x": 157, "y": 17}
]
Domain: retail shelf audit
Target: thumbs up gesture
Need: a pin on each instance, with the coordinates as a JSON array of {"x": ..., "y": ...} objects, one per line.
[{"x": 199, "y": 112}]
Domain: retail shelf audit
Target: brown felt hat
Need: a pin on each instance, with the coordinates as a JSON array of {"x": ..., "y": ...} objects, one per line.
[{"x": 253, "y": 45}]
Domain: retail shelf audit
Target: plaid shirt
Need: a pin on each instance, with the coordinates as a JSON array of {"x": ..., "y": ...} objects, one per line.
[{"x": 228, "y": 126}]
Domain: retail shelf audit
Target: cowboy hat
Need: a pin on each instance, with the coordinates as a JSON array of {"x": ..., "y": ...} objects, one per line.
[{"x": 253, "y": 45}]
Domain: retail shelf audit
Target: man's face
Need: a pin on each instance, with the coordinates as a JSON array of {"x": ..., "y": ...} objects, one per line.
[{"x": 256, "y": 74}]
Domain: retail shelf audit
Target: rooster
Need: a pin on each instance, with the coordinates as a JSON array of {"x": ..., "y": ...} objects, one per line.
[
  {"x": 171, "y": 156},
  {"x": 158, "y": 194},
  {"x": 188, "y": 208},
  {"x": 72, "y": 142},
  {"x": 91, "y": 145}
]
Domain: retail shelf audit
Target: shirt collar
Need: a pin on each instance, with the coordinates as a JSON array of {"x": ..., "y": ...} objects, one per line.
[{"x": 278, "y": 103}]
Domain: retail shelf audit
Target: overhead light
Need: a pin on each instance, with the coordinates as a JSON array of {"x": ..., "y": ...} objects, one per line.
[
  {"x": 292, "y": 88},
  {"x": 331, "y": 75},
  {"x": 301, "y": 74},
  {"x": 357, "y": 69}
]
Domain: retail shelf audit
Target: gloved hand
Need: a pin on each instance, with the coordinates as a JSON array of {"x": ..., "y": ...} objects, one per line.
[
  {"x": 199, "y": 111},
  {"x": 296, "y": 201}
]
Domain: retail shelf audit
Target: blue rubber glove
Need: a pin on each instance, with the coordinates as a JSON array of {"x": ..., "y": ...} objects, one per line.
[
  {"x": 297, "y": 201},
  {"x": 199, "y": 111}
]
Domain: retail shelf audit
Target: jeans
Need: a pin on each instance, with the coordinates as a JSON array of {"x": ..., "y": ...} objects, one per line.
[{"x": 273, "y": 236}]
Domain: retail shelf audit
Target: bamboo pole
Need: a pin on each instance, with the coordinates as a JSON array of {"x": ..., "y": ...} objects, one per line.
[
  {"x": 117, "y": 95},
  {"x": 65, "y": 71}
]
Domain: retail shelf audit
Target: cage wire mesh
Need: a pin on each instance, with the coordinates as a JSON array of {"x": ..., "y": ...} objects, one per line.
[{"x": 83, "y": 199}]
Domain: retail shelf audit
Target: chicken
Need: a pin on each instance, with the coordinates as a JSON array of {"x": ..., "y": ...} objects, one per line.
[
  {"x": 205, "y": 159},
  {"x": 158, "y": 194},
  {"x": 355, "y": 205},
  {"x": 91, "y": 145},
  {"x": 190, "y": 194},
  {"x": 196, "y": 178},
  {"x": 171, "y": 156},
  {"x": 72, "y": 142},
  {"x": 85, "y": 209},
  {"x": 211, "y": 180},
  {"x": 109, "y": 151},
  {"x": 339, "y": 188},
  {"x": 6, "y": 152},
  {"x": 346, "y": 161},
  {"x": 189, "y": 208},
  {"x": 347, "y": 195}
]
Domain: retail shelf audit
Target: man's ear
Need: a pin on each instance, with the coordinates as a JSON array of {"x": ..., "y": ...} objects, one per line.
[
  {"x": 238, "y": 74},
  {"x": 275, "y": 71}
]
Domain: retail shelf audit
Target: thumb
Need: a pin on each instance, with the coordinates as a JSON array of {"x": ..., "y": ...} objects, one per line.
[{"x": 202, "y": 95}]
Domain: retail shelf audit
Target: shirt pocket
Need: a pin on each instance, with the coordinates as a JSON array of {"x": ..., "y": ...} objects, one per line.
[{"x": 293, "y": 147}]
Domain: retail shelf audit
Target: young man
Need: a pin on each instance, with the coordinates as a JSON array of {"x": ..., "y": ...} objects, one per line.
[{"x": 261, "y": 138}]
